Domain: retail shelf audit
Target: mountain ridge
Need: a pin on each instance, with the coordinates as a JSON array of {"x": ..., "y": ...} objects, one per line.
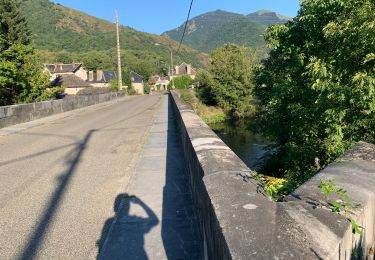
[
  {"x": 211, "y": 30},
  {"x": 267, "y": 17}
]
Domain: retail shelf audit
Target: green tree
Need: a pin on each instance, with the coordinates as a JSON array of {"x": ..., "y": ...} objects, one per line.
[
  {"x": 232, "y": 69},
  {"x": 181, "y": 82},
  {"x": 147, "y": 88},
  {"x": 21, "y": 75},
  {"x": 205, "y": 92},
  {"x": 317, "y": 88},
  {"x": 13, "y": 26},
  {"x": 64, "y": 57}
]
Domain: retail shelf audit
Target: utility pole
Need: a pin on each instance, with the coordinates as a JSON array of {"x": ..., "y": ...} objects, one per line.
[
  {"x": 171, "y": 63},
  {"x": 119, "y": 73},
  {"x": 171, "y": 67}
]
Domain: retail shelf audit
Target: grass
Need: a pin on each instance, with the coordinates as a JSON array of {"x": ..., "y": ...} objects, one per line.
[{"x": 209, "y": 114}]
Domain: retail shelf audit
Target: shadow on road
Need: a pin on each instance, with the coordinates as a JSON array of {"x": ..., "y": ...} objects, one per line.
[
  {"x": 37, "y": 237},
  {"x": 180, "y": 231},
  {"x": 179, "y": 237},
  {"x": 34, "y": 242},
  {"x": 129, "y": 230}
]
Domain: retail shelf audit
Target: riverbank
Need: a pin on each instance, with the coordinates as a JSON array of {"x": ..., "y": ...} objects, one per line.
[
  {"x": 209, "y": 114},
  {"x": 249, "y": 146}
]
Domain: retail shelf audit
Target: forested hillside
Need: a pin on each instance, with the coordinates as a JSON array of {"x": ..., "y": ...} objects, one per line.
[
  {"x": 213, "y": 30},
  {"x": 64, "y": 35}
]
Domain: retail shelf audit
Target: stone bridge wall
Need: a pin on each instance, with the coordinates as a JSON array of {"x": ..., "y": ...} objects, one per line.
[
  {"x": 239, "y": 222},
  {"x": 15, "y": 114}
]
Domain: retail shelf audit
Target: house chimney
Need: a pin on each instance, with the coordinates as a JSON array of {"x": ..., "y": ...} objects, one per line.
[
  {"x": 91, "y": 75},
  {"x": 99, "y": 75}
]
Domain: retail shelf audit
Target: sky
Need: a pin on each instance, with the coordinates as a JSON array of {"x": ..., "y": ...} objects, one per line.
[{"x": 158, "y": 16}]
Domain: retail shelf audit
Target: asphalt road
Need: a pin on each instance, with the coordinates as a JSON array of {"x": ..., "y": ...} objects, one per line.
[{"x": 59, "y": 178}]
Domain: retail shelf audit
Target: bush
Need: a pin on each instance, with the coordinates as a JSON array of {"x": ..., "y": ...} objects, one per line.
[
  {"x": 113, "y": 86},
  {"x": 181, "y": 82},
  {"x": 147, "y": 89},
  {"x": 131, "y": 91}
]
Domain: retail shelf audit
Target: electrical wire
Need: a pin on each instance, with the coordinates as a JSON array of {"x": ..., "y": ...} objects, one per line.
[{"x": 187, "y": 20}]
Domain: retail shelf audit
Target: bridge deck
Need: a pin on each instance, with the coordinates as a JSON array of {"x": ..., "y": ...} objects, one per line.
[
  {"x": 60, "y": 177},
  {"x": 156, "y": 218}
]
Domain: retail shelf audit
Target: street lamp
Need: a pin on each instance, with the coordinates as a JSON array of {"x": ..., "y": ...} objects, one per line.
[{"x": 171, "y": 71}]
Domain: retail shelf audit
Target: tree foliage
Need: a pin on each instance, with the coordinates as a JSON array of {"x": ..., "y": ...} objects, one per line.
[
  {"x": 205, "y": 92},
  {"x": 317, "y": 88},
  {"x": 231, "y": 79},
  {"x": 21, "y": 75},
  {"x": 181, "y": 82}
]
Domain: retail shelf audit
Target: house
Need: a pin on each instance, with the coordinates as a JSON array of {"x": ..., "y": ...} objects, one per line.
[
  {"x": 101, "y": 78},
  {"x": 98, "y": 79},
  {"x": 137, "y": 82},
  {"x": 71, "y": 76},
  {"x": 153, "y": 79},
  {"x": 71, "y": 82},
  {"x": 64, "y": 69},
  {"x": 158, "y": 83},
  {"x": 184, "y": 69},
  {"x": 162, "y": 84}
]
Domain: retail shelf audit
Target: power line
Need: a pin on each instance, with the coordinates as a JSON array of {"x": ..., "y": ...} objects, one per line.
[{"x": 187, "y": 20}]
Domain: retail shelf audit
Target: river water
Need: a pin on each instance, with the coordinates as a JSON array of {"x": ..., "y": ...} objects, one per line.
[{"x": 249, "y": 146}]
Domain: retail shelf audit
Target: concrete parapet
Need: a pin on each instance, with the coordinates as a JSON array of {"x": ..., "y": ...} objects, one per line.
[
  {"x": 238, "y": 221},
  {"x": 15, "y": 114}
]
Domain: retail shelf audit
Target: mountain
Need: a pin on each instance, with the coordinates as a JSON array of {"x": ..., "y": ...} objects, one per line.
[
  {"x": 268, "y": 18},
  {"x": 211, "y": 30},
  {"x": 63, "y": 34}
]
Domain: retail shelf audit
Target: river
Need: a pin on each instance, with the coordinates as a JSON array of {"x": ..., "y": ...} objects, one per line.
[{"x": 249, "y": 146}]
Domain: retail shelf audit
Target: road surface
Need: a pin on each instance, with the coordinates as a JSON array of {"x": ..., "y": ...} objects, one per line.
[{"x": 59, "y": 178}]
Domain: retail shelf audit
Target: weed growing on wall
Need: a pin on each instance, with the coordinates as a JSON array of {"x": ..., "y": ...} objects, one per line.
[{"x": 342, "y": 205}]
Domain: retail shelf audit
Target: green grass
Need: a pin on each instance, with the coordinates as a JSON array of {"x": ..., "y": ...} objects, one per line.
[{"x": 209, "y": 114}]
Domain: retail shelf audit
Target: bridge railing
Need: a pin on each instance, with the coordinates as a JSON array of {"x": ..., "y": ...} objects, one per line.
[
  {"x": 16, "y": 114},
  {"x": 239, "y": 222}
]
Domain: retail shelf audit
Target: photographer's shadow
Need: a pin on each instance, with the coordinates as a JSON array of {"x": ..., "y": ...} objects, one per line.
[{"x": 126, "y": 240}]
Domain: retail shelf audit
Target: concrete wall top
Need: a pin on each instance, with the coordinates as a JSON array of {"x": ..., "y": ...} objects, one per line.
[
  {"x": 20, "y": 113},
  {"x": 240, "y": 222}
]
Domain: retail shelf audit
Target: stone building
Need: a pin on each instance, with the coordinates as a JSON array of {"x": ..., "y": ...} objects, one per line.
[
  {"x": 137, "y": 82},
  {"x": 158, "y": 83},
  {"x": 71, "y": 82},
  {"x": 75, "y": 77},
  {"x": 101, "y": 78},
  {"x": 184, "y": 69},
  {"x": 58, "y": 69}
]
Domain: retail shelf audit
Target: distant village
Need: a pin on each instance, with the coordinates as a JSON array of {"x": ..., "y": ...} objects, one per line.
[{"x": 75, "y": 78}]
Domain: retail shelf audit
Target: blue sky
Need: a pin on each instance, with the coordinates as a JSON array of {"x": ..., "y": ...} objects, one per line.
[{"x": 157, "y": 16}]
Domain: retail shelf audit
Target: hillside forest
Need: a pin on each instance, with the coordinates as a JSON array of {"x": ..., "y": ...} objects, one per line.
[{"x": 61, "y": 34}]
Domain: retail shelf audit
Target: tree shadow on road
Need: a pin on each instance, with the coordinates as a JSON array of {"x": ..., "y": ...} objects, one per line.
[{"x": 36, "y": 239}]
